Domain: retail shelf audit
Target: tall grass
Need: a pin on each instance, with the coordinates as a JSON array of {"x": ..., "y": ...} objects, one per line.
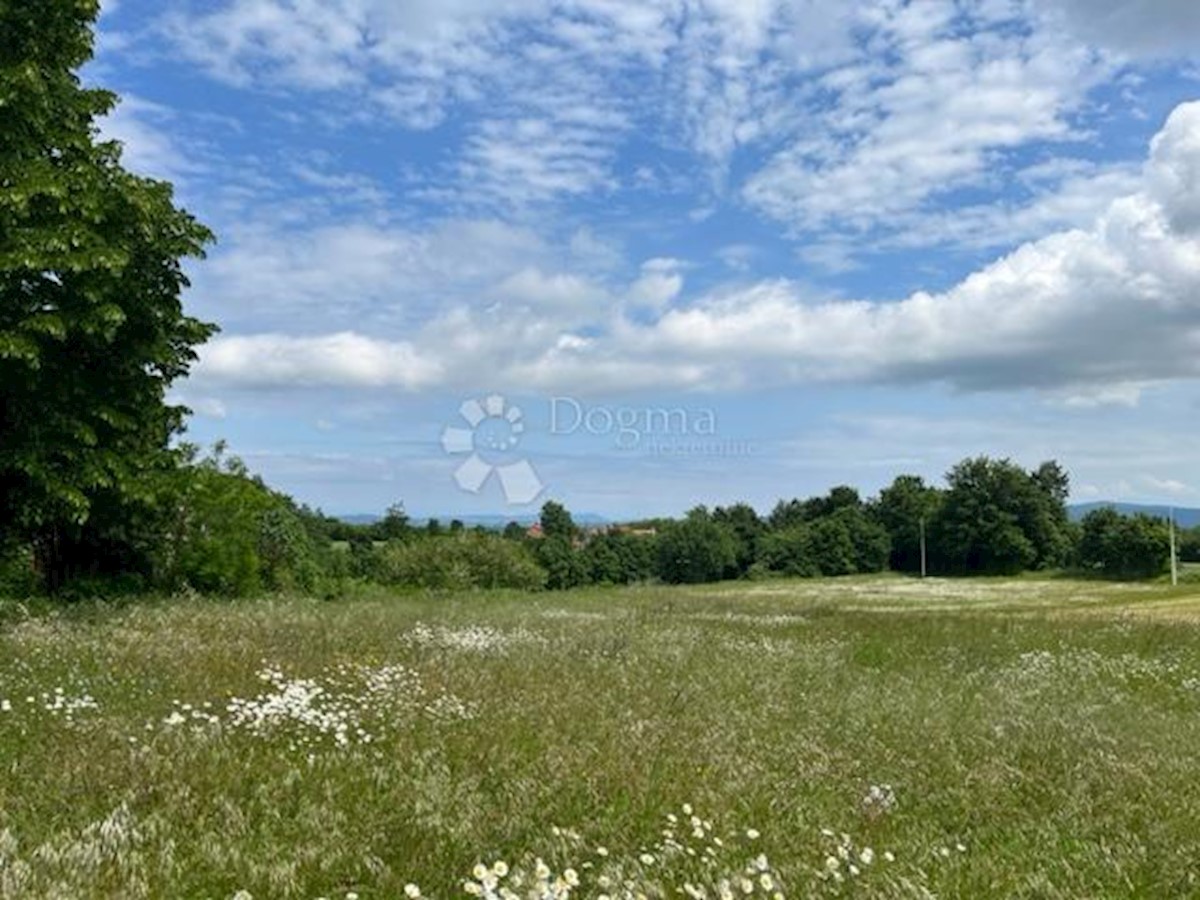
[{"x": 860, "y": 737}]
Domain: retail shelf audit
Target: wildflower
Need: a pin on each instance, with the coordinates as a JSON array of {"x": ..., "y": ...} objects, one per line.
[
  {"x": 832, "y": 863},
  {"x": 571, "y": 877},
  {"x": 767, "y": 882},
  {"x": 5, "y": 706},
  {"x": 747, "y": 886},
  {"x": 243, "y": 895},
  {"x": 602, "y": 851},
  {"x": 412, "y": 892},
  {"x": 867, "y": 856},
  {"x": 960, "y": 848},
  {"x": 889, "y": 856},
  {"x": 543, "y": 871},
  {"x": 647, "y": 859},
  {"x": 480, "y": 871},
  {"x": 500, "y": 868},
  {"x": 752, "y": 834},
  {"x": 760, "y": 862},
  {"x": 687, "y": 809}
]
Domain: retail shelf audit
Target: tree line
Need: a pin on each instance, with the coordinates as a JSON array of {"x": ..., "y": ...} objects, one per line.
[{"x": 97, "y": 494}]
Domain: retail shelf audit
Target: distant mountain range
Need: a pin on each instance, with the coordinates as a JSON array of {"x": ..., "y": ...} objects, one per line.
[
  {"x": 1184, "y": 516},
  {"x": 487, "y": 521}
]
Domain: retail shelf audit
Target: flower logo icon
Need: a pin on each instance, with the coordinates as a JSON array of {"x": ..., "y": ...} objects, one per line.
[{"x": 495, "y": 429}]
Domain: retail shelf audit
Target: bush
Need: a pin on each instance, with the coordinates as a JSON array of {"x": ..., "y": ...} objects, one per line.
[
  {"x": 464, "y": 561},
  {"x": 696, "y": 550},
  {"x": 789, "y": 552},
  {"x": 18, "y": 577},
  {"x": 617, "y": 558},
  {"x": 565, "y": 566},
  {"x": 225, "y": 532},
  {"x": 1124, "y": 546}
]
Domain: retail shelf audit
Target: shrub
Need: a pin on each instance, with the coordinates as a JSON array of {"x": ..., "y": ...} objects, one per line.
[
  {"x": 1124, "y": 546},
  {"x": 696, "y": 550},
  {"x": 464, "y": 561},
  {"x": 789, "y": 552}
]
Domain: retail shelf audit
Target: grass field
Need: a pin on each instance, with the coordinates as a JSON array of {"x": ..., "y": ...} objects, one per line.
[{"x": 859, "y": 737}]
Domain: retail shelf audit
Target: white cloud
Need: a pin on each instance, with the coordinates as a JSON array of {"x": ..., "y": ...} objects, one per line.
[
  {"x": 1167, "y": 486},
  {"x": 148, "y": 147},
  {"x": 934, "y": 119},
  {"x": 1136, "y": 27},
  {"x": 343, "y": 360},
  {"x": 1083, "y": 313}
]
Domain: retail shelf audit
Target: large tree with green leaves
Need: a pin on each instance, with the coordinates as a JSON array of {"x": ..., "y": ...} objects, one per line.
[
  {"x": 92, "y": 328},
  {"x": 997, "y": 518}
]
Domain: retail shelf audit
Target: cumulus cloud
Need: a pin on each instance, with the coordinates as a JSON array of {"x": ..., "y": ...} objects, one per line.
[
  {"x": 343, "y": 360},
  {"x": 1083, "y": 310}
]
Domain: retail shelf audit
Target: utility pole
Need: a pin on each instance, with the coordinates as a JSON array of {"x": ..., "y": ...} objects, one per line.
[
  {"x": 1174, "y": 555},
  {"x": 923, "y": 546}
]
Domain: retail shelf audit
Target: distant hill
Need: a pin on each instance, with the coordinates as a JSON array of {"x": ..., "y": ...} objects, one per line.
[
  {"x": 487, "y": 521},
  {"x": 1184, "y": 517}
]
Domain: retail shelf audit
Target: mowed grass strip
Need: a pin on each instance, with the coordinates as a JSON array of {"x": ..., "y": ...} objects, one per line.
[{"x": 1032, "y": 738}]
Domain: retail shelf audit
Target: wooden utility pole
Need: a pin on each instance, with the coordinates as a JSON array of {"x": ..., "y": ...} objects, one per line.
[
  {"x": 1174, "y": 555},
  {"x": 922, "y": 546}
]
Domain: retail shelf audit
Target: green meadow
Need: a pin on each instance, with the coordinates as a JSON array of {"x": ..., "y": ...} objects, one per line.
[{"x": 859, "y": 737}]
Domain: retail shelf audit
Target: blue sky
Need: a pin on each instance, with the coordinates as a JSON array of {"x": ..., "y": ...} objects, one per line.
[{"x": 789, "y": 244}]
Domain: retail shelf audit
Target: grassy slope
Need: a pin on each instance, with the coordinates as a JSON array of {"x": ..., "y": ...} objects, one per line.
[{"x": 1048, "y": 727}]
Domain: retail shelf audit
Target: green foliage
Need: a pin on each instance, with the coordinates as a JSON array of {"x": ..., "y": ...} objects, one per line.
[
  {"x": 225, "y": 532},
  {"x": 747, "y": 529},
  {"x": 394, "y": 525},
  {"x": 1189, "y": 545},
  {"x": 565, "y": 566},
  {"x": 557, "y": 522},
  {"x": 997, "y": 518},
  {"x": 464, "y": 561},
  {"x": 1122, "y": 546},
  {"x": 833, "y": 546},
  {"x": 18, "y": 577},
  {"x": 696, "y": 550},
  {"x": 617, "y": 558},
  {"x": 92, "y": 330},
  {"x": 790, "y": 552},
  {"x": 901, "y": 509}
]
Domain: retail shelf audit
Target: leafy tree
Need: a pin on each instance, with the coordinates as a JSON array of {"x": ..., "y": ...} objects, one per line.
[
  {"x": 92, "y": 329},
  {"x": 871, "y": 543},
  {"x": 564, "y": 565},
  {"x": 787, "y": 514},
  {"x": 617, "y": 558},
  {"x": 514, "y": 531},
  {"x": 227, "y": 533},
  {"x": 433, "y": 528},
  {"x": 901, "y": 508},
  {"x": 1189, "y": 545},
  {"x": 997, "y": 518},
  {"x": 747, "y": 529},
  {"x": 696, "y": 550},
  {"x": 394, "y": 525},
  {"x": 557, "y": 522},
  {"x": 833, "y": 546},
  {"x": 789, "y": 551},
  {"x": 457, "y": 526},
  {"x": 1124, "y": 546}
]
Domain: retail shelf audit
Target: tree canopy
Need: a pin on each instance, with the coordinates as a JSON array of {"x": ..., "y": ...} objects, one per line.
[{"x": 92, "y": 327}]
